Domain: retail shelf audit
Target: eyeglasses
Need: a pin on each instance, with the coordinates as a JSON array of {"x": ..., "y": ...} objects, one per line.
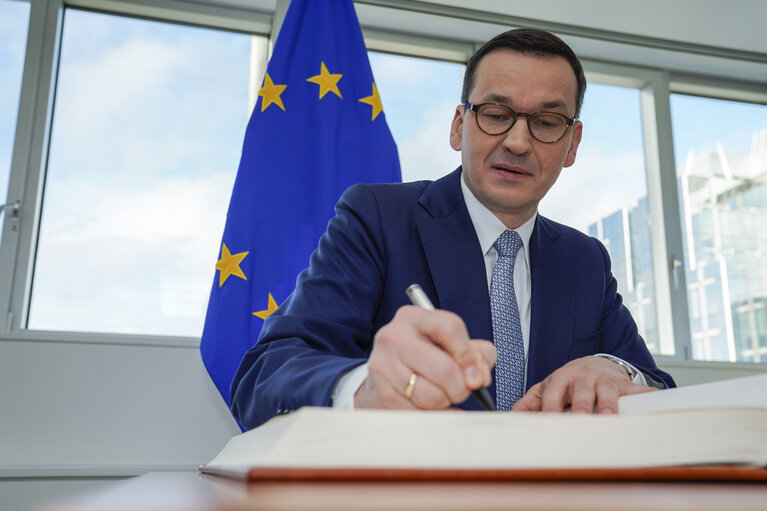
[{"x": 546, "y": 127}]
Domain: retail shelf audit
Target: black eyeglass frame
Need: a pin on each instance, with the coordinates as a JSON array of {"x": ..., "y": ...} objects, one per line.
[{"x": 516, "y": 115}]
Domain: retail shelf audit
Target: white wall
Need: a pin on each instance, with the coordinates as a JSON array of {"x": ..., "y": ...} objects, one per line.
[
  {"x": 76, "y": 415},
  {"x": 99, "y": 406}
]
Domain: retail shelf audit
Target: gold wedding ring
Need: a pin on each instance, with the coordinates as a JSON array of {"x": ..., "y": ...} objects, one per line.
[{"x": 410, "y": 385}]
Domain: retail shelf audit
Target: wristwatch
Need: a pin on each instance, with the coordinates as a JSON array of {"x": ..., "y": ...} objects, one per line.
[{"x": 632, "y": 371}]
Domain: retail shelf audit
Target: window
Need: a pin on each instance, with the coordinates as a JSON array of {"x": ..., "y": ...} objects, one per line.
[
  {"x": 14, "y": 18},
  {"x": 609, "y": 178},
  {"x": 146, "y": 138},
  {"x": 147, "y": 128},
  {"x": 419, "y": 114},
  {"x": 609, "y": 170},
  {"x": 721, "y": 161}
]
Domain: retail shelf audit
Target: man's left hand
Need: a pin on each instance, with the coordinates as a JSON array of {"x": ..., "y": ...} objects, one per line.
[{"x": 584, "y": 385}]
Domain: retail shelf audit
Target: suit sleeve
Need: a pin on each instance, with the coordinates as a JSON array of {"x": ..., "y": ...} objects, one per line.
[
  {"x": 620, "y": 335},
  {"x": 326, "y": 325}
]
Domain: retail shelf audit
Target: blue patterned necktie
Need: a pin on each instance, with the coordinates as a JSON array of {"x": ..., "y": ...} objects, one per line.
[{"x": 507, "y": 331}]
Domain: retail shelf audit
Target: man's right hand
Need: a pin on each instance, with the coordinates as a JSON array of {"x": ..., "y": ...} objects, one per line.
[{"x": 435, "y": 347}]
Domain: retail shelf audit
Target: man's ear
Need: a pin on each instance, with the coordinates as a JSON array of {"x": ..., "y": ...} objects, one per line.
[
  {"x": 574, "y": 143},
  {"x": 456, "y": 128}
]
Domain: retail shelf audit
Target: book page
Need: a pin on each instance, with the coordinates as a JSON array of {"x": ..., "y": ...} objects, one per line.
[
  {"x": 750, "y": 391},
  {"x": 327, "y": 438}
]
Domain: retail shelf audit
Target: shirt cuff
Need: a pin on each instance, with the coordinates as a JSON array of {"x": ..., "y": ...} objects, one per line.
[
  {"x": 347, "y": 386},
  {"x": 636, "y": 375}
]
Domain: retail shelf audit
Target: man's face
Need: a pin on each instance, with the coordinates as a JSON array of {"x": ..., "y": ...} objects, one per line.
[{"x": 510, "y": 173}]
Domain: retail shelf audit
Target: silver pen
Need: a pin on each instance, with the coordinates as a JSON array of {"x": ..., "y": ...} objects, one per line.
[{"x": 419, "y": 299}]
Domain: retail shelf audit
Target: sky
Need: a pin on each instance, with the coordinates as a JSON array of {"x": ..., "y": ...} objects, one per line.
[
  {"x": 146, "y": 138},
  {"x": 148, "y": 127},
  {"x": 14, "y": 17}
]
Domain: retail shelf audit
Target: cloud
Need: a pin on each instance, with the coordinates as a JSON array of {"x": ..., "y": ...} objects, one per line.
[
  {"x": 150, "y": 105},
  {"x": 399, "y": 71},
  {"x": 407, "y": 87},
  {"x": 14, "y": 19},
  {"x": 138, "y": 261},
  {"x": 13, "y": 32},
  {"x": 146, "y": 140},
  {"x": 594, "y": 187},
  {"x": 5, "y": 168},
  {"x": 427, "y": 154},
  {"x": 148, "y": 128}
]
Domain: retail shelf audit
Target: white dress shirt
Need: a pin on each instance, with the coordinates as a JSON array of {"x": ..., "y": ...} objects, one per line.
[{"x": 488, "y": 228}]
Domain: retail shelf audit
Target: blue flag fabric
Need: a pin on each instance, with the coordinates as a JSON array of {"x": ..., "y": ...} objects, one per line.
[{"x": 317, "y": 128}]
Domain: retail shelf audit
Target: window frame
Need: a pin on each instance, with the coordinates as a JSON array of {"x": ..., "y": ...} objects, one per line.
[
  {"x": 708, "y": 72},
  {"x": 723, "y": 88},
  {"x": 30, "y": 150}
]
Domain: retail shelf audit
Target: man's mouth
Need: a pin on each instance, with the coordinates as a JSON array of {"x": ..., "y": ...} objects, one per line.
[{"x": 512, "y": 170}]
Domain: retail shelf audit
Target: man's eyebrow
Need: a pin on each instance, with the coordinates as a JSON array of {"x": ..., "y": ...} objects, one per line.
[
  {"x": 497, "y": 98},
  {"x": 505, "y": 100},
  {"x": 554, "y": 104}
]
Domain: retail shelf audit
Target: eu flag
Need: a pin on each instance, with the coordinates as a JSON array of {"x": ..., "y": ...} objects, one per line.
[{"x": 317, "y": 128}]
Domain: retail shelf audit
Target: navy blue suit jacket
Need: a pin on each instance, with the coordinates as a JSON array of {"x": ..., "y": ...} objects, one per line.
[{"x": 385, "y": 237}]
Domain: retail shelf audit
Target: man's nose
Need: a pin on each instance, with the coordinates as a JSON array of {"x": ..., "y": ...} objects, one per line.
[{"x": 518, "y": 139}]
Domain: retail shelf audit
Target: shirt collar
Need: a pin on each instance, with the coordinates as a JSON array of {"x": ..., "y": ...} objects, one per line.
[{"x": 489, "y": 227}]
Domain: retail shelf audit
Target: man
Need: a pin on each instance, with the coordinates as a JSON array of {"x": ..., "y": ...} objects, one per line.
[{"x": 475, "y": 243}]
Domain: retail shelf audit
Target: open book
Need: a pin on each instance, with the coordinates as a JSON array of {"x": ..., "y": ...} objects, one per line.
[{"x": 717, "y": 424}]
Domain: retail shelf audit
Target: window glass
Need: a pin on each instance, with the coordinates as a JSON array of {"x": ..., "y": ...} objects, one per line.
[
  {"x": 418, "y": 113},
  {"x": 147, "y": 133},
  {"x": 604, "y": 194},
  {"x": 609, "y": 172},
  {"x": 14, "y": 19},
  {"x": 721, "y": 165}
]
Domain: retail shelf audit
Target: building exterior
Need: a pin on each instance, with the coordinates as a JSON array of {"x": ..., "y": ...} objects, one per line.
[{"x": 723, "y": 201}]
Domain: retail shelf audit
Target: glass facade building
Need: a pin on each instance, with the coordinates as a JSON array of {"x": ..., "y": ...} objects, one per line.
[{"x": 723, "y": 200}]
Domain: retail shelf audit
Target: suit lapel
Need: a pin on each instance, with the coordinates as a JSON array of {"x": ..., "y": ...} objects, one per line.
[
  {"x": 452, "y": 248},
  {"x": 552, "y": 303}
]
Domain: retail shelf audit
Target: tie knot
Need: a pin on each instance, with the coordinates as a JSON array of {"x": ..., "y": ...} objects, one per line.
[{"x": 508, "y": 243}]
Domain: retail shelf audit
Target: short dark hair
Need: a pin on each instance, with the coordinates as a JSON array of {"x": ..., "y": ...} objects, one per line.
[{"x": 527, "y": 41}]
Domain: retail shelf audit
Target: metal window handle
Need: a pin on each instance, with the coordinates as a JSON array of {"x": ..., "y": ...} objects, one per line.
[
  {"x": 14, "y": 207},
  {"x": 676, "y": 264}
]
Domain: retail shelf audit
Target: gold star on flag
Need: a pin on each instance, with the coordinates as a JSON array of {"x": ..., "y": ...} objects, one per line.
[
  {"x": 271, "y": 93},
  {"x": 374, "y": 100},
  {"x": 229, "y": 264},
  {"x": 327, "y": 82},
  {"x": 270, "y": 308}
]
